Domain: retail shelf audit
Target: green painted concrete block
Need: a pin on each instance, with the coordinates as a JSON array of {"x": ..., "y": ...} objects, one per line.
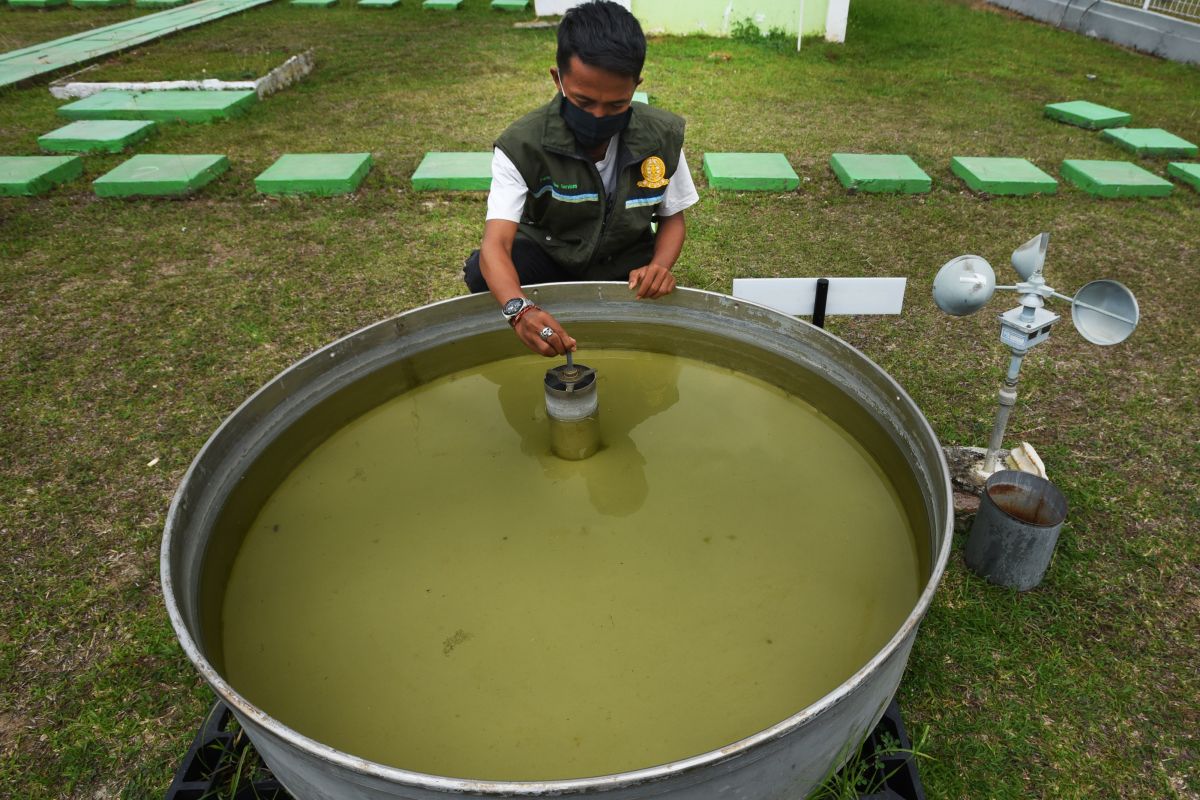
[
  {"x": 1087, "y": 115},
  {"x": 96, "y": 136},
  {"x": 1115, "y": 179},
  {"x": 160, "y": 176},
  {"x": 166, "y": 106},
  {"x": 99, "y": 3},
  {"x": 510, "y": 5},
  {"x": 641, "y": 97},
  {"x": 159, "y": 3},
  {"x": 1151, "y": 142},
  {"x": 1002, "y": 176},
  {"x": 31, "y": 175},
  {"x": 880, "y": 173},
  {"x": 1188, "y": 173},
  {"x": 454, "y": 171},
  {"x": 750, "y": 172},
  {"x": 36, "y": 3},
  {"x": 442, "y": 5},
  {"x": 378, "y": 3},
  {"x": 315, "y": 173},
  {"x": 315, "y": 3}
]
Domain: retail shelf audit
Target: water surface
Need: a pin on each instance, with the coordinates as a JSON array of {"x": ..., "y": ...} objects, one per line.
[{"x": 432, "y": 589}]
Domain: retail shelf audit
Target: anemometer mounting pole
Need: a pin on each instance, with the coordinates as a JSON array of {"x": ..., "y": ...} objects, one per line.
[{"x": 1008, "y": 399}]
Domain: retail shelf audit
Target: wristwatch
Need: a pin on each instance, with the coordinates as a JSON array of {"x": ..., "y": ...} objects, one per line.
[{"x": 513, "y": 308}]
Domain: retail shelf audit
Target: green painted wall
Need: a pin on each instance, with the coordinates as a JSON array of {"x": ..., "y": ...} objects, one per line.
[
  {"x": 814, "y": 17},
  {"x": 717, "y": 17}
]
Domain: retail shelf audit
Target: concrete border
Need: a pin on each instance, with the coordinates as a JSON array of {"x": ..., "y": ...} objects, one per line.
[
  {"x": 294, "y": 70},
  {"x": 1148, "y": 31}
]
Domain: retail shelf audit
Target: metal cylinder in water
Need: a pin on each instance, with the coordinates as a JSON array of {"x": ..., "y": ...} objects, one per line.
[
  {"x": 572, "y": 407},
  {"x": 1016, "y": 529}
]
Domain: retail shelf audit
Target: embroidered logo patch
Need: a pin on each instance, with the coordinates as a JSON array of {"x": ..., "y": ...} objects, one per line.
[{"x": 654, "y": 173}]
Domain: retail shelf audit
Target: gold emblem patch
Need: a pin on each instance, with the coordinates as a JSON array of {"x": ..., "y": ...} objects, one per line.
[{"x": 654, "y": 173}]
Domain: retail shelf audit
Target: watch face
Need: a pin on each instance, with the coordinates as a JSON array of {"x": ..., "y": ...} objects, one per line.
[{"x": 513, "y": 306}]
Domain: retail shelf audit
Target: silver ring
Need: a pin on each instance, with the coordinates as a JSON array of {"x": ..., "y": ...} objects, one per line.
[{"x": 546, "y": 332}]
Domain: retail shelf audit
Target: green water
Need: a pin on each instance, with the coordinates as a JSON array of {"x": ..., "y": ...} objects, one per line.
[{"x": 448, "y": 597}]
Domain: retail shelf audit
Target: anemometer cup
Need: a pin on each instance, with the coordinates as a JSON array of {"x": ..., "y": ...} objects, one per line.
[{"x": 964, "y": 285}]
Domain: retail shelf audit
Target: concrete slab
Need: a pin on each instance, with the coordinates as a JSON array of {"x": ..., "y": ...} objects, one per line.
[
  {"x": 454, "y": 171},
  {"x": 1002, "y": 176},
  {"x": 750, "y": 172},
  {"x": 159, "y": 3},
  {"x": 510, "y": 5},
  {"x": 442, "y": 5},
  {"x": 1115, "y": 179},
  {"x": 378, "y": 3},
  {"x": 880, "y": 173},
  {"x": 1188, "y": 173},
  {"x": 1151, "y": 142},
  {"x": 32, "y": 175},
  {"x": 315, "y": 3},
  {"x": 315, "y": 173},
  {"x": 76, "y": 48},
  {"x": 167, "y": 106},
  {"x": 99, "y": 3},
  {"x": 96, "y": 136},
  {"x": 1086, "y": 114},
  {"x": 160, "y": 175},
  {"x": 641, "y": 97}
]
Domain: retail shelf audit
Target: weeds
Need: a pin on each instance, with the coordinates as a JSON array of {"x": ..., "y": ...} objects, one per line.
[
  {"x": 776, "y": 39},
  {"x": 872, "y": 766}
]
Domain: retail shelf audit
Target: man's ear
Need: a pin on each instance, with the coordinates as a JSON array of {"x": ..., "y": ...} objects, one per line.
[
  {"x": 555, "y": 78},
  {"x": 639, "y": 81}
]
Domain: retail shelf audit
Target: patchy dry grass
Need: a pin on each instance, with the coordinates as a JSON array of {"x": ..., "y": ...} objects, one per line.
[{"x": 130, "y": 329}]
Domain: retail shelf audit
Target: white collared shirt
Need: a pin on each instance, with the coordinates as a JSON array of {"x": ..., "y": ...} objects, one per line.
[{"x": 506, "y": 200}]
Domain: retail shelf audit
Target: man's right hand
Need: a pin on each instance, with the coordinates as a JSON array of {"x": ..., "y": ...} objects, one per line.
[{"x": 529, "y": 328}]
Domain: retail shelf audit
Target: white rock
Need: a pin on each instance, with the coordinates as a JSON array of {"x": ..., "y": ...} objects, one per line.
[{"x": 1024, "y": 458}]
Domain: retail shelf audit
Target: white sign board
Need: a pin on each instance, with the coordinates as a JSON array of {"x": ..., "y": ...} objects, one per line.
[{"x": 798, "y": 296}]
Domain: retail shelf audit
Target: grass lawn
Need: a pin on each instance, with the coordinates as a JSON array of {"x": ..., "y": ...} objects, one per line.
[{"x": 131, "y": 329}]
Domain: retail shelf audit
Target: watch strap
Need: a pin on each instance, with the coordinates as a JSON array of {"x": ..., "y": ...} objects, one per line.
[{"x": 517, "y": 317}]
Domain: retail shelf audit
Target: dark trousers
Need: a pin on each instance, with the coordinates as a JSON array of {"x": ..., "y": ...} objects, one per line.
[{"x": 531, "y": 261}]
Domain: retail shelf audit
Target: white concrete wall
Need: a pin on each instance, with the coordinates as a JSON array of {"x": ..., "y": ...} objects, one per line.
[{"x": 835, "y": 20}]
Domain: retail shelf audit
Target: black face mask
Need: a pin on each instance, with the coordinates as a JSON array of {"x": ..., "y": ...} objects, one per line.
[{"x": 593, "y": 131}]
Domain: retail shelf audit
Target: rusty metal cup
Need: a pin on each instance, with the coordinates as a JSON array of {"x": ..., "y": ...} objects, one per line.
[{"x": 1016, "y": 529}]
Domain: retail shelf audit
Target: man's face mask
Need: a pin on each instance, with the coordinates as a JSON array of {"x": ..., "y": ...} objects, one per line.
[{"x": 592, "y": 131}]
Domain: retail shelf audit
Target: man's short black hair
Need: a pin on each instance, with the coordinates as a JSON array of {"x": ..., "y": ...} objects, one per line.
[{"x": 604, "y": 35}]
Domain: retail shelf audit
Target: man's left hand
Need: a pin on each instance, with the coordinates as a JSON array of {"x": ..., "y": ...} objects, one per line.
[{"x": 652, "y": 281}]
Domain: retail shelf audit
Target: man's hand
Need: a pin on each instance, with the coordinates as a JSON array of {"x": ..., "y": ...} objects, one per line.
[
  {"x": 529, "y": 328},
  {"x": 651, "y": 281}
]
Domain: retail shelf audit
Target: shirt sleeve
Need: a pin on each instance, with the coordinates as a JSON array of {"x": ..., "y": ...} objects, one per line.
[
  {"x": 506, "y": 199},
  {"x": 681, "y": 191}
]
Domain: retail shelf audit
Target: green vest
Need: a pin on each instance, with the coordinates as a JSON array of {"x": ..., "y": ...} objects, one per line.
[{"x": 593, "y": 236}]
